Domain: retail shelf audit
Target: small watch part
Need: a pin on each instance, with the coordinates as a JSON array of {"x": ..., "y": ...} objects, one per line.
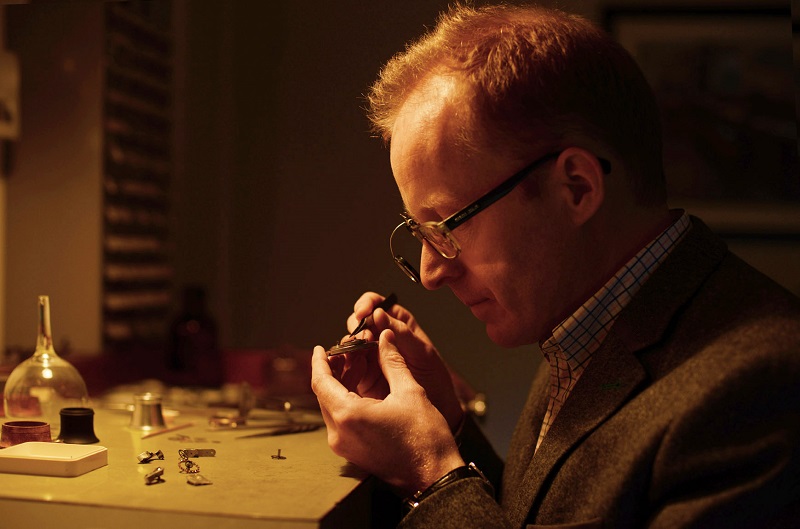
[
  {"x": 187, "y": 466},
  {"x": 186, "y": 453},
  {"x": 197, "y": 480},
  {"x": 278, "y": 455},
  {"x": 146, "y": 457},
  {"x": 353, "y": 345},
  {"x": 154, "y": 477}
]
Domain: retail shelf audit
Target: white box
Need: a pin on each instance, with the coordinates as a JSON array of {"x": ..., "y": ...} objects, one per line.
[{"x": 52, "y": 459}]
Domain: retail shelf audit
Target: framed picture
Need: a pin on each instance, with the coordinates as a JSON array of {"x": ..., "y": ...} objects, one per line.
[{"x": 726, "y": 84}]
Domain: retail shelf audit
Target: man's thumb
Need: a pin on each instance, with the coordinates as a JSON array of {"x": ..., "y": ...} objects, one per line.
[{"x": 392, "y": 362}]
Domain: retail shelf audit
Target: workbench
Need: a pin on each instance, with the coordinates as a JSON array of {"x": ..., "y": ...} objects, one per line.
[{"x": 307, "y": 486}]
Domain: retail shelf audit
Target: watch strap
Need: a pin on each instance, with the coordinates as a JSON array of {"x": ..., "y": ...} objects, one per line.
[{"x": 457, "y": 474}]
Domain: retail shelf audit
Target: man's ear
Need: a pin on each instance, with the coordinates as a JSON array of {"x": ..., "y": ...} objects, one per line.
[{"x": 582, "y": 183}]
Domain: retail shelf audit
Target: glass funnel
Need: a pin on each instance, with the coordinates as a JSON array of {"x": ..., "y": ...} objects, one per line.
[{"x": 39, "y": 387}]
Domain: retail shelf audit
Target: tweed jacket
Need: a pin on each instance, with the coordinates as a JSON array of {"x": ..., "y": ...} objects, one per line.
[{"x": 687, "y": 416}]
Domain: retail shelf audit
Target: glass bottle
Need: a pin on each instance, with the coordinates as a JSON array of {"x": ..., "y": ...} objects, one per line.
[
  {"x": 39, "y": 387},
  {"x": 194, "y": 358}
]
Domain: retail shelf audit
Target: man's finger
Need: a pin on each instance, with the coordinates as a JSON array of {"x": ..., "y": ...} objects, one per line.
[
  {"x": 394, "y": 365},
  {"x": 323, "y": 383}
]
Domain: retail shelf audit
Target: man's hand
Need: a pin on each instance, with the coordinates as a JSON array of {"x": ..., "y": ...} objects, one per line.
[
  {"x": 401, "y": 438},
  {"x": 362, "y": 374}
]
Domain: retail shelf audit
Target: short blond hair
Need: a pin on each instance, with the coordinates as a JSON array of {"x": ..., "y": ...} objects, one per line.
[{"x": 528, "y": 70}]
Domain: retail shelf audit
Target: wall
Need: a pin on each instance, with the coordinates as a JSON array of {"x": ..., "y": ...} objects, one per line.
[
  {"x": 284, "y": 203},
  {"x": 53, "y": 243},
  {"x": 2, "y": 212}
]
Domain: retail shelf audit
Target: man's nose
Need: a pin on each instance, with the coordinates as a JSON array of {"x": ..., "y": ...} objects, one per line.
[{"x": 435, "y": 270}]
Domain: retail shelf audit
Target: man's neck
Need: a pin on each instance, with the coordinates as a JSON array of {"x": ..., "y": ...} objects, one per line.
[{"x": 609, "y": 245}]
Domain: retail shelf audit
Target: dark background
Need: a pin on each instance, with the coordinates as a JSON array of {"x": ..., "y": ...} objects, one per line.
[{"x": 281, "y": 203}]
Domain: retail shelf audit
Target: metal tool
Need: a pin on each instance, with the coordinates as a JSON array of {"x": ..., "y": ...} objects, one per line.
[
  {"x": 248, "y": 402},
  {"x": 291, "y": 428},
  {"x": 233, "y": 423},
  {"x": 386, "y": 304}
]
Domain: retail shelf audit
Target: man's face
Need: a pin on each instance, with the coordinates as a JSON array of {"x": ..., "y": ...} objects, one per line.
[{"x": 517, "y": 256}]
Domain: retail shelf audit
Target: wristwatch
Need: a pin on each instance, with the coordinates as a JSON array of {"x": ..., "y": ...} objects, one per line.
[{"x": 468, "y": 471}]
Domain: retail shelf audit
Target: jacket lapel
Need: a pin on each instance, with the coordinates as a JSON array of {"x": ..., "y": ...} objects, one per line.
[
  {"x": 613, "y": 375},
  {"x": 523, "y": 442}
]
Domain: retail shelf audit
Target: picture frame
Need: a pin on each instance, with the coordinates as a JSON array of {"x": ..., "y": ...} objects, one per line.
[{"x": 726, "y": 84}]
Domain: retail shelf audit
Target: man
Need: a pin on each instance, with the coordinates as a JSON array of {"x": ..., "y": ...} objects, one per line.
[{"x": 526, "y": 148}]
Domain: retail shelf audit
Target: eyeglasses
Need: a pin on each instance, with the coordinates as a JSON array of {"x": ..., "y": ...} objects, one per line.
[{"x": 439, "y": 234}]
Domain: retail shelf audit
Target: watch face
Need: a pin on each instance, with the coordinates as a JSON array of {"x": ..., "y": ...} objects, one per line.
[{"x": 352, "y": 346}]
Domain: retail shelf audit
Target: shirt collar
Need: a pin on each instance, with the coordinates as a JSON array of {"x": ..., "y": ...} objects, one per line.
[{"x": 580, "y": 334}]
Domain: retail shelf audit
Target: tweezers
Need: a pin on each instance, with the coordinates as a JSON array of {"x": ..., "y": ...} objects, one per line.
[
  {"x": 386, "y": 304},
  {"x": 351, "y": 344}
]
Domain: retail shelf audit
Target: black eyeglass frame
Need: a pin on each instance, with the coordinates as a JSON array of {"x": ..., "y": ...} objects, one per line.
[{"x": 463, "y": 215}]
